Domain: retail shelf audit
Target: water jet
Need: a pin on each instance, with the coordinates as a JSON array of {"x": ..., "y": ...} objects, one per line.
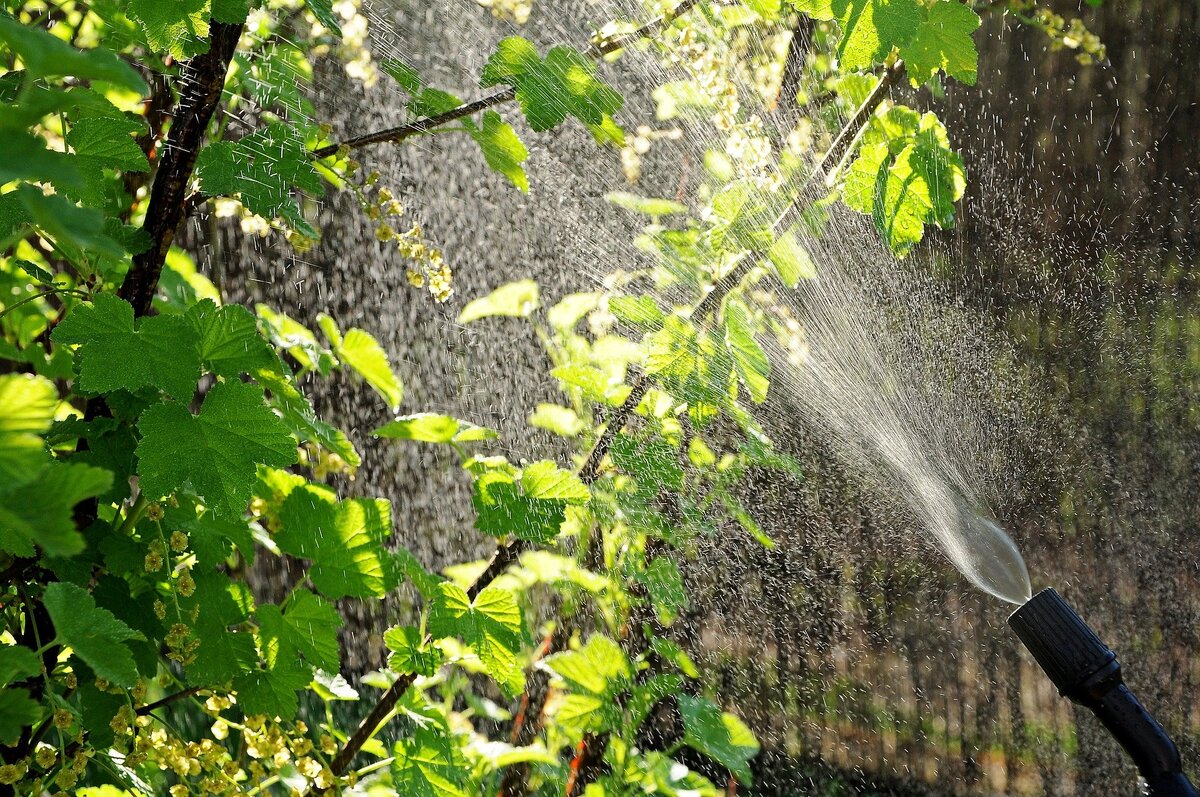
[{"x": 1086, "y": 671}]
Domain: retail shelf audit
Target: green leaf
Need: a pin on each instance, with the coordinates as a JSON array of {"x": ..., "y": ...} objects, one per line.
[
  {"x": 749, "y": 360},
  {"x": 410, "y": 654},
  {"x": 558, "y": 419},
  {"x": 344, "y": 540},
  {"x": 178, "y": 27},
  {"x": 516, "y": 299},
  {"x": 40, "y": 512},
  {"x": 17, "y": 663},
  {"x": 297, "y": 414},
  {"x": 332, "y": 687},
  {"x": 27, "y": 405},
  {"x": 427, "y": 427},
  {"x": 116, "y": 353},
  {"x": 549, "y": 90},
  {"x": 17, "y": 712},
  {"x": 719, "y": 735},
  {"x": 216, "y": 451},
  {"x": 571, "y": 308},
  {"x": 490, "y": 625},
  {"x": 272, "y": 692},
  {"x": 869, "y": 28},
  {"x": 502, "y": 511},
  {"x": 791, "y": 260},
  {"x": 654, "y": 463},
  {"x": 262, "y": 170},
  {"x": 546, "y": 481},
  {"x": 323, "y": 11},
  {"x": 297, "y": 340},
  {"x": 44, "y": 55},
  {"x": 664, "y": 582},
  {"x": 944, "y": 42},
  {"x": 93, "y": 633},
  {"x": 648, "y": 206},
  {"x": 366, "y": 357},
  {"x": 427, "y": 763},
  {"x": 229, "y": 342},
  {"x": 598, "y": 668},
  {"x": 108, "y": 139},
  {"x": 502, "y": 149},
  {"x": 305, "y": 628},
  {"x": 640, "y": 311},
  {"x": 225, "y": 650}
]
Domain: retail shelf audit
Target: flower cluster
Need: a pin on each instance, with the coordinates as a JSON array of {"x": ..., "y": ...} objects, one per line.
[
  {"x": 1072, "y": 35},
  {"x": 427, "y": 267}
]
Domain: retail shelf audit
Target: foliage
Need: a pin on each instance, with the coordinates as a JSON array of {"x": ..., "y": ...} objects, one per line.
[{"x": 147, "y": 459}]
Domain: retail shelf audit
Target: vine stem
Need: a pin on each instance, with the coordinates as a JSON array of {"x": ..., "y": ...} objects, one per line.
[
  {"x": 370, "y": 723},
  {"x": 596, "y": 50}
]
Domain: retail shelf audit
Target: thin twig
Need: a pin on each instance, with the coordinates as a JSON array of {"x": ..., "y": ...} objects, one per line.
[
  {"x": 605, "y": 46},
  {"x": 370, "y": 723},
  {"x": 168, "y": 700},
  {"x": 397, "y": 134}
]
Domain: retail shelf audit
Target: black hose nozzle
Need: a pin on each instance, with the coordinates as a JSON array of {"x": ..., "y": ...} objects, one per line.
[{"x": 1086, "y": 671}]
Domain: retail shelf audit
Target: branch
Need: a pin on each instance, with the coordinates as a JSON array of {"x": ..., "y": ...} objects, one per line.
[
  {"x": 397, "y": 134},
  {"x": 201, "y": 83},
  {"x": 605, "y": 46},
  {"x": 370, "y": 723},
  {"x": 596, "y": 50},
  {"x": 168, "y": 700}
]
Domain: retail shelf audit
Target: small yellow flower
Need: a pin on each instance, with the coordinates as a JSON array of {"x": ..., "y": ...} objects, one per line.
[
  {"x": 179, "y": 541},
  {"x": 45, "y": 756},
  {"x": 63, "y": 719}
]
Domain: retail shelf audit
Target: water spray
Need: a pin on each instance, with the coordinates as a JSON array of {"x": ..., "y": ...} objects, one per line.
[{"x": 1086, "y": 671}]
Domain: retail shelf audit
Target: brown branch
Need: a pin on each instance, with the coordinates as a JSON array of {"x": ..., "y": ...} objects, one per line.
[
  {"x": 370, "y": 723},
  {"x": 201, "y": 83},
  {"x": 793, "y": 66},
  {"x": 397, "y": 134}
]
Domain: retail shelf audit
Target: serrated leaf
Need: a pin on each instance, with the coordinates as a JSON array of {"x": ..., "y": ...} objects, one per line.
[
  {"x": 178, "y": 27},
  {"x": 490, "y": 625},
  {"x": 428, "y": 427},
  {"x": 641, "y": 311},
  {"x": 869, "y": 28},
  {"x": 515, "y": 299},
  {"x": 653, "y": 462},
  {"x": 108, "y": 139},
  {"x": 343, "y": 540},
  {"x": 410, "y": 654},
  {"x": 306, "y": 627},
  {"x": 558, "y": 419},
  {"x": 944, "y": 43},
  {"x": 502, "y": 511},
  {"x": 791, "y": 260},
  {"x": 40, "y": 511},
  {"x": 27, "y": 405},
  {"x": 17, "y": 712},
  {"x": 719, "y": 735},
  {"x": 296, "y": 412},
  {"x": 229, "y": 342},
  {"x": 115, "y": 352},
  {"x": 546, "y": 481},
  {"x": 18, "y": 663},
  {"x": 749, "y": 360},
  {"x": 598, "y": 668},
  {"x": 225, "y": 650},
  {"x": 262, "y": 170},
  {"x": 323, "y": 11},
  {"x": 427, "y": 763},
  {"x": 272, "y": 692},
  {"x": 502, "y": 148},
  {"x": 363, "y": 354},
  {"x": 93, "y": 633},
  {"x": 663, "y": 581},
  {"x": 550, "y": 89},
  {"x": 215, "y": 452},
  {"x": 44, "y": 55},
  {"x": 332, "y": 687}
]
